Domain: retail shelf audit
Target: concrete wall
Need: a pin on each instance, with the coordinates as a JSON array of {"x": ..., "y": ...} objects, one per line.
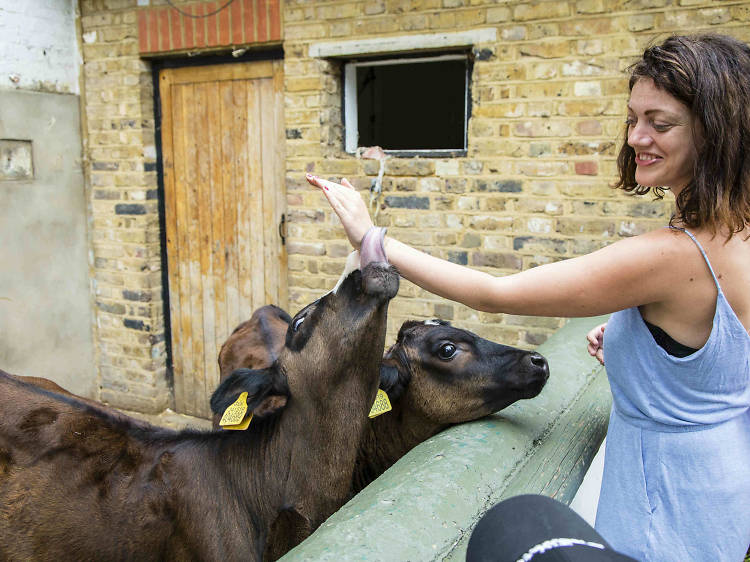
[
  {"x": 45, "y": 293},
  {"x": 425, "y": 506},
  {"x": 46, "y": 320}
]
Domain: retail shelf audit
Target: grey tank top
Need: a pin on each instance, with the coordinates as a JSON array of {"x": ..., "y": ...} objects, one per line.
[{"x": 655, "y": 390}]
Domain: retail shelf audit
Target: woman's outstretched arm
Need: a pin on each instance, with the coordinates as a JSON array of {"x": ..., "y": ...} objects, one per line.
[{"x": 630, "y": 272}]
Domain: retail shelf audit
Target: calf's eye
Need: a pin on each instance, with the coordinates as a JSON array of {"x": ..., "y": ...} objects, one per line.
[
  {"x": 447, "y": 351},
  {"x": 297, "y": 323}
]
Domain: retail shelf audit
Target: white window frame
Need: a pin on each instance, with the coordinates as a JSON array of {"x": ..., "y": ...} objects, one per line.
[{"x": 351, "y": 128}]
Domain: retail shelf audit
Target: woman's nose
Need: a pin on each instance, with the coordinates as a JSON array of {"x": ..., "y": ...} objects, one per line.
[{"x": 638, "y": 135}]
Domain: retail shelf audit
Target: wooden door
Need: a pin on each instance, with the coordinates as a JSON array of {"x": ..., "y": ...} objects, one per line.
[{"x": 222, "y": 148}]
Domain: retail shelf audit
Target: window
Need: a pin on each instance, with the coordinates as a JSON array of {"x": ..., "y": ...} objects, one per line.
[{"x": 406, "y": 106}]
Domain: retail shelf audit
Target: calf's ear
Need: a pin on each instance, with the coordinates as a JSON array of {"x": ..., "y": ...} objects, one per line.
[
  {"x": 267, "y": 394},
  {"x": 269, "y": 406},
  {"x": 393, "y": 379}
]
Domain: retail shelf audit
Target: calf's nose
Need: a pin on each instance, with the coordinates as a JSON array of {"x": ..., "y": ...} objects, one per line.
[{"x": 537, "y": 363}]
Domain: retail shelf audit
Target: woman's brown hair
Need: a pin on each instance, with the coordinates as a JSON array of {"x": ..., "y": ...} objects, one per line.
[{"x": 710, "y": 74}]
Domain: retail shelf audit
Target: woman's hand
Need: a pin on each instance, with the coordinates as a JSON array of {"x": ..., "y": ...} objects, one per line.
[
  {"x": 596, "y": 340},
  {"x": 348, "y": 205}
]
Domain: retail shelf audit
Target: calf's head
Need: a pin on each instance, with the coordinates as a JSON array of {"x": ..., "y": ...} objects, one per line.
[
  {"x": 335, "y": 342},
  {"x": 255, "y": 343},
  {"x": 450, "y": 375}
]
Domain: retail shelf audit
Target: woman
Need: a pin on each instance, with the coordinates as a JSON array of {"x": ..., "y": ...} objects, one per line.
[{"x": 676, "y": 482}]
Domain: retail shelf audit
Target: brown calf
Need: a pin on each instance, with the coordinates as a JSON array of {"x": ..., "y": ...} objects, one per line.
[
  {"x": 254, "y": 344},
  {"x": 436, "y": 375},
  {"x": 79, "y": 483},
  {"x": 52, "y": 386}
]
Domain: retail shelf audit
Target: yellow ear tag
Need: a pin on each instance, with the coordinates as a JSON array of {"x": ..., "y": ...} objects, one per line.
[
  {"x": 381, "y": 404},
  {"x": 234, "y": 415}
]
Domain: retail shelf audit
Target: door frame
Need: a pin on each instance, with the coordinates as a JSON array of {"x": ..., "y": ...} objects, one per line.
[{"x": 272, "y": 53}]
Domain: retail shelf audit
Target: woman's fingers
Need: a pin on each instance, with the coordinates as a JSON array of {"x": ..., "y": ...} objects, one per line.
[
  {"x": 347, "y": 204},
  {"x": 596, "y": 339},
  {"x": 593, "y": 336},
  {"x": 325, "y": 185},
  {"x": 597, "y": 334}
]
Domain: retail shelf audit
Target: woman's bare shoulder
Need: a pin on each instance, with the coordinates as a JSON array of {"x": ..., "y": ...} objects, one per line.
[{"x": 656, "y": 249}]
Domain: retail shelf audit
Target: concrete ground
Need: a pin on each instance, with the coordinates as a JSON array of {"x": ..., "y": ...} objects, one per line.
[
  {"x": 587, "y": 498},
  {"x": 171, "y": 419}
]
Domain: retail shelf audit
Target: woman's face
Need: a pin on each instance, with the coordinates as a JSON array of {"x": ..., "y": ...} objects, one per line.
[{"x": 660, "y": 132}]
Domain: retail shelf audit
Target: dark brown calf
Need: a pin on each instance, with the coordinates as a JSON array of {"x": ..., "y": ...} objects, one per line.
[
  {"x": 52, "y": 386},
  {"x": 436, "y": 375},
  {"x": 78, "y": 483},
  {"x": 254, "y": 344}
]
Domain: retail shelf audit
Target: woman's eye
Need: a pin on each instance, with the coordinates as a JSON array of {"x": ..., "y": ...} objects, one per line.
[
  {"x": 630, "y": 121},
  {"x": 297, "y": 323},
  {"x": 447, "y": 351},
  {"x": 661, "y": 127}
]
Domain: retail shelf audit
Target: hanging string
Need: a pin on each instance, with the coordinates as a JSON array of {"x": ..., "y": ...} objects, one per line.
[
  {"x": 186, "y": 14},
  {"x": 376, "y": 187}
]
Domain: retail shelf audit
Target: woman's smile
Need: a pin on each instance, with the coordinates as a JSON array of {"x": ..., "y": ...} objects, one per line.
[{"x": 646, "y": 159}]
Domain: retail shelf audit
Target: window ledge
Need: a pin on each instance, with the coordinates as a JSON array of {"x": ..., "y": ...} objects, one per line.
[
  {"x": 426, "y": 153},
  {"x": 402, "y": 43}
]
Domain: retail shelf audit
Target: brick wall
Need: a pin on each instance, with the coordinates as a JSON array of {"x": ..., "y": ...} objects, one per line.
[
  {"x": 548, "y": 104},
  {"x": 121, "y": 163},
  {"x": 120, "y": 146}
]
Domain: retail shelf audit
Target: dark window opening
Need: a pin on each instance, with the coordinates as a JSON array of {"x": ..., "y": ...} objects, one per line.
[{"x": 411, "y": 105}]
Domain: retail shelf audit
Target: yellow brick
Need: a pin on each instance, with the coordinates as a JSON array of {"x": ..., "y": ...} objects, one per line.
[
  {"x": 302, "y": 84},
  {"x": 546, "y": 48},
  {"x": 467, "y": 18},
  {"x": 541, "y": 10}
]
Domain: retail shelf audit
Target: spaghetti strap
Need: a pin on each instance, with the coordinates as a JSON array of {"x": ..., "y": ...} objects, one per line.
[{"x": 703, "y": 253}]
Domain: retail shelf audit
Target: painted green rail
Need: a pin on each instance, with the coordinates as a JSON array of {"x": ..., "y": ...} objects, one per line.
[{"x": 425, "y": 506}]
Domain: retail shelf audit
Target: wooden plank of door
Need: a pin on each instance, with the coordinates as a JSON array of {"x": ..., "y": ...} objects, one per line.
[
  {"x": 218, "y": 254},
  {"x": 269, "y": 187},
  {"x": 242, "y": 173},
  {"x": 180, "y": 281},
  {"x": 233, "y": 119},
  {"x": 197, "y": 164},
  {"x": 206, "y": 377},
  {"x": 214, "y": 73},
  {"x": 279, "y": 177},
  {"x": 254, "y": 193}
]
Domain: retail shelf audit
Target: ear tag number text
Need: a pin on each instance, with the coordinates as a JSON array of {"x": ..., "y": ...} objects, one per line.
[
  {"x": 234, "y": 416},
  {"x": 382, "y": 404}
]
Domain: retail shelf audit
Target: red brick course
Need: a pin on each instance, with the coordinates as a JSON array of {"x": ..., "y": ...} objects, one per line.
[{"x": 164, "y": 29}]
